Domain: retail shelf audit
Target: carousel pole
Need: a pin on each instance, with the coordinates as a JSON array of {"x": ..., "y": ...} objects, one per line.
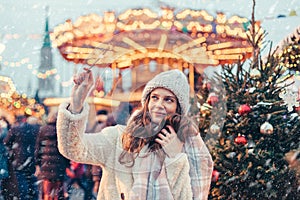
[{"x": 191, "y": 78}]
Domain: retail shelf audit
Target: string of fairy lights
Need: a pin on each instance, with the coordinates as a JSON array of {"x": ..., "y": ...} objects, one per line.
[{"x": 25, "y": 62}]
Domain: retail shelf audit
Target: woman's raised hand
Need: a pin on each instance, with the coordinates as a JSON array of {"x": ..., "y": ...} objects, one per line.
[
  {"x": 170, "y": 142},
  {"x": 83, "y": 83}
]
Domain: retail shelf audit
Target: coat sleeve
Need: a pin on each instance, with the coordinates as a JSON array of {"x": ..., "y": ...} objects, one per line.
[
  {"x": 177, "y": 170},
  {"x": 76, "y": 145},
  {"x": 201, "y": 166}
]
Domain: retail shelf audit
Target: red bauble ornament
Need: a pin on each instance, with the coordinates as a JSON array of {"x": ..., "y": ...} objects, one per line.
[
  {"x": 212, "y": 99},
  {"x": 240, "y": 140},
  {"x": 215, "y": 175},
  {"x": 244, "y": 109}
]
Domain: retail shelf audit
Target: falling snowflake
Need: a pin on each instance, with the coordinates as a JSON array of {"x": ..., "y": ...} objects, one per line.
[{"x": 290, "y": 98}]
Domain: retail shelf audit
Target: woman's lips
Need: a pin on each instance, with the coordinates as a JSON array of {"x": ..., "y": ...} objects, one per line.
[{"x": 159, "y": 114}]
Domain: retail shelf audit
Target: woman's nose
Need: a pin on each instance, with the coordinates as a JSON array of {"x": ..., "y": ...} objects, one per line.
[{"x": 160, "y": 103}]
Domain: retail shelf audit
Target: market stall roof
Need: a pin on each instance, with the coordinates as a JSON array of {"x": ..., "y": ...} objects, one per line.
[
  {"x": 13, "y": 104},
  {"x": 188, "y": 36}
]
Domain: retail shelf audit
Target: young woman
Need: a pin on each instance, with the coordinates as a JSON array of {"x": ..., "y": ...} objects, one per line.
[{"x": 144, "y": 159}]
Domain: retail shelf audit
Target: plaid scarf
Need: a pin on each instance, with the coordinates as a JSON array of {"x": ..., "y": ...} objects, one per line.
[{"x": 150, "y": 179}]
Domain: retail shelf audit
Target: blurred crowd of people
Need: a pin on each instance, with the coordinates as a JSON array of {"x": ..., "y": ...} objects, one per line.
[{"x": 31, "y": 166}]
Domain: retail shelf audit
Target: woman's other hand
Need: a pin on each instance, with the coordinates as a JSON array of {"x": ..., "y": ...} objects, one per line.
[{"x": 169, "y": 142}]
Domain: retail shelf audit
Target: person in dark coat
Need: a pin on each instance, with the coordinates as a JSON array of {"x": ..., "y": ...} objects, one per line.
[
  {"x": 9, "y": 189},
  {"x": 20, "y": 142},
  {"x": 50, "y": 164}
]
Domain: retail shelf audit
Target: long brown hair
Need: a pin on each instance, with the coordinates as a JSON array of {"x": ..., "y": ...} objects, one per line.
[{"x": 140, "y": 132}]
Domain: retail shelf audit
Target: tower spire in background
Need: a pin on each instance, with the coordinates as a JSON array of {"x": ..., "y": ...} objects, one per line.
[
  {"x": 47, "y": 41},
  {"x": 46, "y": 80}
]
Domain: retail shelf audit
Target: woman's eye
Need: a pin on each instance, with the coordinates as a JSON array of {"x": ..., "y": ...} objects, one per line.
[
  {"x": 154, "y": 97},
  {"x": 171, "y": 100}
]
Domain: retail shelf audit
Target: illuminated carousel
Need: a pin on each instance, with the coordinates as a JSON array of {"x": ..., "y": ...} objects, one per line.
[{"x": 147, "y": 43}]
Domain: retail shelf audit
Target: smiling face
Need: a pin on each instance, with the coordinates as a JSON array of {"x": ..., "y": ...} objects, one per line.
[{"x": 161, "y": 103}]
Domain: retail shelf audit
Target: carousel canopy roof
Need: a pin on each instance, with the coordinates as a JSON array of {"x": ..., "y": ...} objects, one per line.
[{"x": 189, "y": 36}]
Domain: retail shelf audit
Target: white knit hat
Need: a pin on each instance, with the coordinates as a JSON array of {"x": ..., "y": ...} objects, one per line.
[{"x": 176, "y": 82}]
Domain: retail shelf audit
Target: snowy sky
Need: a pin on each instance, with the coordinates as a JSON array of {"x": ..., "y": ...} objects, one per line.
[{"x": 22, "y": 26}]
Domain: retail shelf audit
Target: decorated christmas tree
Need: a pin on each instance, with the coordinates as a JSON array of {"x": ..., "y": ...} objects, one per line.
[{"x": 248, "y": 120}]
